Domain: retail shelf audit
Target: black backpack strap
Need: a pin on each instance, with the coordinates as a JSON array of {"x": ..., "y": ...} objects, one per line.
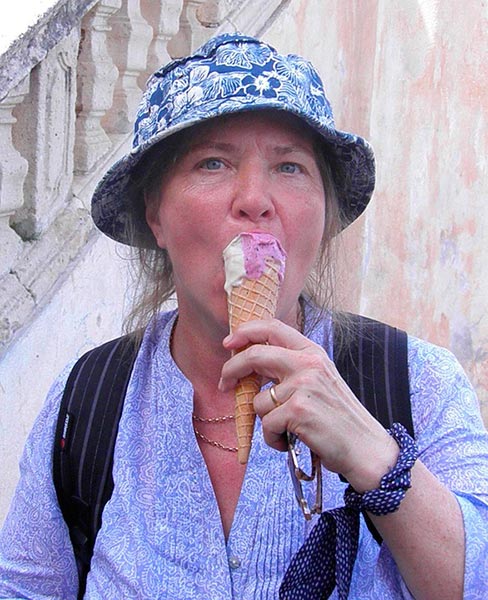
[
  {"x": 84, "y": 442},
  {"x": 374, "y": 364}
]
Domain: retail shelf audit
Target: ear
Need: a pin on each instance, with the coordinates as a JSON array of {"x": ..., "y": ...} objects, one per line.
[{"x": 154, "y": 223}]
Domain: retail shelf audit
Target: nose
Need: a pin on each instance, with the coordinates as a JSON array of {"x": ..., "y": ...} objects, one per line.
[{"x": 253, "y": 199}]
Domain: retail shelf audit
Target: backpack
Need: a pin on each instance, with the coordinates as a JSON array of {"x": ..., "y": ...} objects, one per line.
[{"x": 374, "y": 366}]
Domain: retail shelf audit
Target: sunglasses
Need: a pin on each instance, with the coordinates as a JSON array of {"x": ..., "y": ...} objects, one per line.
[{"x": 298, "y": 475}]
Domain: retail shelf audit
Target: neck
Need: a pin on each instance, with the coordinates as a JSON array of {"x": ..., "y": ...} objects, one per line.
[{"x": 197, "y": 350}]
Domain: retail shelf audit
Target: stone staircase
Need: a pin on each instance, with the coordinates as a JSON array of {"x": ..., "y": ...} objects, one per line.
[{"x": 69, "y": 88}]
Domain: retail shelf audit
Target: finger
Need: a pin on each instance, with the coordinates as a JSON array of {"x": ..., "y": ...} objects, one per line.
[
  {"x": 277, "y": 363},
  {"x": 266, "y": 331},
  {"x": 272, "y": 395},
  {"x": 271, "y": 398},
  {"x": 271, "y": 362},
  {"x": 274, "y": 429}
]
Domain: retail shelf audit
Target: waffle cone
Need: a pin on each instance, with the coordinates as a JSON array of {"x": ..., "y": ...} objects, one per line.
[{"x": 253, "y": 299}]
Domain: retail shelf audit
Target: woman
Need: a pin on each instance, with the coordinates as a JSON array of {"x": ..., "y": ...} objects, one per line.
[{"x": 238, "y": 138}]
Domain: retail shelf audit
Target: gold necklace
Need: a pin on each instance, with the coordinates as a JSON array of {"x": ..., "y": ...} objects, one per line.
[
  {"x": 207, "y": 440},
  {"x": 213, "y": 419},
  {"x": 213, "y": 443}
]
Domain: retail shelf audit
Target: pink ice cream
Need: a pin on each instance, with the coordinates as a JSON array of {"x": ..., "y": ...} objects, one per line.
[{"x": 248, "y": 255}]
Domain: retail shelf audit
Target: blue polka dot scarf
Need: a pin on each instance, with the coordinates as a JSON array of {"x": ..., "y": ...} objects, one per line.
[{"x": 325, "y": 560}]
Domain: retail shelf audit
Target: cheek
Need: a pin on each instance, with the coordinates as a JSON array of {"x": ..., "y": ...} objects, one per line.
[
  {"x": 304, "y": 242},
  {"x": 192, "y": 240},
  {"x": 308, "y": 223},
  {"x": 309, "y": 234}
]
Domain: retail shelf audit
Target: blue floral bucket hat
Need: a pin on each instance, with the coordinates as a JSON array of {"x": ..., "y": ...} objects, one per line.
[{"x": 230, "y": 73}]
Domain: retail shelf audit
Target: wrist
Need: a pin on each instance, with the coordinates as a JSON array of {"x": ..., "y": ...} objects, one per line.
[
  {"x": 386, "y": 498},
  {"x": 367, "y": 474}
]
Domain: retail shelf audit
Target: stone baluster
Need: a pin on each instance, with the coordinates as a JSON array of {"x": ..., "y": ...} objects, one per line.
[
  {"x": 47, "y": 143},
  {"x": 191, "y": 34},
  {"x": 96, "y": 79},
  {"x": 13, "y": 169},
  {"x": 165, "y": 20},
  {"x": 213, "y": 12},
  {"x": 128, "y": 45}
]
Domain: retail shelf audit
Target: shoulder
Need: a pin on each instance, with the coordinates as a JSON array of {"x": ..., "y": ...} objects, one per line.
[
  {"x": 133, "y": 341},
  {"x": 444, "y": 403},
  {"x": 437, "y": 378},
  {"x": 429, "y": 363}
]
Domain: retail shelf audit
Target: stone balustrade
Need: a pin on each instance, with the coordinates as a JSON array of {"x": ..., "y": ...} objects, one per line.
[{"x": 69, "y": 91}]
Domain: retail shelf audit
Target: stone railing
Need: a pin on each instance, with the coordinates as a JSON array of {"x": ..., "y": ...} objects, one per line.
[{"x": 69, "y": 90}]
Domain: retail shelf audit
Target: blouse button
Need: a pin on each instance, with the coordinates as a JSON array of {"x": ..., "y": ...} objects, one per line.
[{"x": 234, "y": 562}]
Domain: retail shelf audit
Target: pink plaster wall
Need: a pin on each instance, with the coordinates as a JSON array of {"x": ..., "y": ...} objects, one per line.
[{"x": 411, "y": 76}]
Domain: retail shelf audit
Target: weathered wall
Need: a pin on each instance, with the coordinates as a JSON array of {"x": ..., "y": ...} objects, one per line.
[
  {"x": 411, "y": 76},
  {"x": 85, "y": 310},
  {"x": 406, "y": 74}
]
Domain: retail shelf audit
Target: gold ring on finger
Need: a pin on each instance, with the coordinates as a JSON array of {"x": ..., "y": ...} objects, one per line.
[{"x": 272, "y": 393}]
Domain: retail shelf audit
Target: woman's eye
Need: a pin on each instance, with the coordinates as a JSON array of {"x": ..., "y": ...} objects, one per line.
[
  {"x": 211, "y": 164},
  {"x": 290, "y": 168}
]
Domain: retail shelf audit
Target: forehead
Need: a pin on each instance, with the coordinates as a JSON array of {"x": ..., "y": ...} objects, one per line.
[{"x": 281, "y": 126}]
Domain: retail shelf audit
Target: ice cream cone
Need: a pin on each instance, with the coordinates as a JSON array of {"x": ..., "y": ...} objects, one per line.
[
  {"x": 254, "y": 270},
  {"x": 253, "y": 299}
]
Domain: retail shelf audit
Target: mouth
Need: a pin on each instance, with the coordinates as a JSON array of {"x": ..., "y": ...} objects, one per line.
[{"x": 254, "y": 232}]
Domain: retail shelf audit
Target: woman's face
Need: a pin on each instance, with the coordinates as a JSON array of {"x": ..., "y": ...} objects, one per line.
[{"x": 246, "y": 172}]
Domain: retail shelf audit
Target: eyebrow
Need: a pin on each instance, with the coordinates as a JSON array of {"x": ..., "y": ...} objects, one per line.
[
  {"x": 211, "y": 145},
  {"x": 283, "y": 150},
  {"x": 225, "y": 147}
]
